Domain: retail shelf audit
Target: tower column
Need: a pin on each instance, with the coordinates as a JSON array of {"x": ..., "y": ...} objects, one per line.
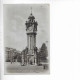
[
  {"x": 27, "y": 40},
  {"x": 35, "y": 61},
  {"x": 31, "y": 28}
]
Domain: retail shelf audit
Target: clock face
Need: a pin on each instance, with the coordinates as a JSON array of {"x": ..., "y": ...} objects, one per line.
[{"x": 30, "y": 28}]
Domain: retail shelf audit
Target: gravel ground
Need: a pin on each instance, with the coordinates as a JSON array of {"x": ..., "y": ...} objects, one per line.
[{"x": 28, "y": 69}]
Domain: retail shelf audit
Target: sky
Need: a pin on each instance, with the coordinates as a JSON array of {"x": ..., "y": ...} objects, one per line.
[{"x": 14, "y": 18}]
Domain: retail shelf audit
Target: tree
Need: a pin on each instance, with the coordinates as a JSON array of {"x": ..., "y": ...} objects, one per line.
[{"x": 43, "y": 52}]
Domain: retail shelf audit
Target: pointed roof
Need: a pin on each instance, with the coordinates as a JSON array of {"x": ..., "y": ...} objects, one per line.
[{"x": 31, "y": 16}]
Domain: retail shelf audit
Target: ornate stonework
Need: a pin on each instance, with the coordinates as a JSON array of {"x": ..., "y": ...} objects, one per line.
[{"x": 31, "y": 29}]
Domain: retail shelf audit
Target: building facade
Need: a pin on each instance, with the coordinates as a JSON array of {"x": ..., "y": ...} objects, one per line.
[{"x": 12, "y": 55}]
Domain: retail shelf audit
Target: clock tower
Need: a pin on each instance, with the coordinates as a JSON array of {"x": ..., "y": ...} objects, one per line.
[{"x": 31, "y": 30}]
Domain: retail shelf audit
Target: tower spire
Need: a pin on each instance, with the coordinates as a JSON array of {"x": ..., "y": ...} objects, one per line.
[{"x": 31, "y": 10}]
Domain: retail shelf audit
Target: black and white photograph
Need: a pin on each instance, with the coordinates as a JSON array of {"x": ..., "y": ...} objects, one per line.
[
  {"x": 39, "y": 40},
  {"x": 26, "y": 38}
]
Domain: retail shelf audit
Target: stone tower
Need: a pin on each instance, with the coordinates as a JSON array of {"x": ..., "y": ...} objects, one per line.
[{"x": 31, "y": 29}]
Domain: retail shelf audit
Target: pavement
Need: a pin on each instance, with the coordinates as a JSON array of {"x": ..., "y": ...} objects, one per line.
[{"x": 16, "y": 67}]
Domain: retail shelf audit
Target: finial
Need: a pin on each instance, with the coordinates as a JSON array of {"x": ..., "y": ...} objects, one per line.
[{"x": 31, "y": 10}]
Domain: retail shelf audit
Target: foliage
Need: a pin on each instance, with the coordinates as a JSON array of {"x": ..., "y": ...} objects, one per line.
[{"x": 43, "y": 52}]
